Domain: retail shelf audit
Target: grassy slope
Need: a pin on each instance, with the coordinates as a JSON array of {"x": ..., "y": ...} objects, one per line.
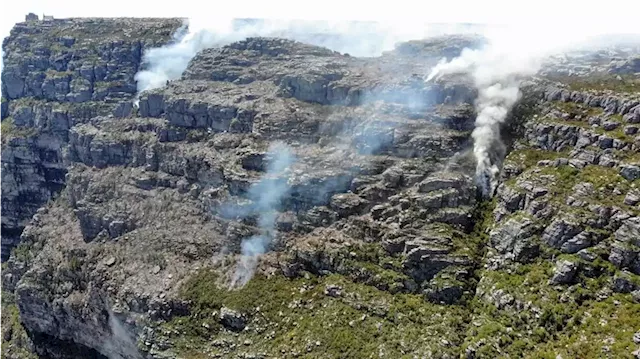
[
  {"x": 571, "y": 321},
  {"x": 295, "y": 316}
]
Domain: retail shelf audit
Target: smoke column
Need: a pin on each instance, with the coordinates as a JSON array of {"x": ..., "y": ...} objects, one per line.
[
  {"x": 497, "y": 70},
  {"x": 266, "y": 196}
]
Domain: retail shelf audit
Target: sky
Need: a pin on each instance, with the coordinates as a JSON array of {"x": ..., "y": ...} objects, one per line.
[{"x": 609, "y": 14}]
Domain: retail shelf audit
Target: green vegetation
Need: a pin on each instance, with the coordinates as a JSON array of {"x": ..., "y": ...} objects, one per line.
[
  {"x": 156, "y": 259},
  {"x": 101, "y": 85},
  {"x": 22, "y": 252},
  {"x": 574, "y": 109},
  {"x": 196, "y": 135},
  {"x": 295, "y": 316},
  {"x": 53, "y": 74},
  {"x": 530, "y": 157},
  {"x": 15, "y": 341},
  {"x": 625, "y": 83},
  {"x": 518, "y": 314},
  {"x": 9, "y": 130},
  {"x": 580, "y": 113},
  {"x": 604, "y": 180},
  {"x": 75, "y": 264},
  {"x": 572, "y": 322},
  {"x": 25, "y": 102},
  {"x": 561, "y": 180}
]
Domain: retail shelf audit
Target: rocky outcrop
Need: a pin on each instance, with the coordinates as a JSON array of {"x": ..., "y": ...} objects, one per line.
[
  {"x": 174, "y": 182},
  {"x": 58, "y": 74},
  {"x": 564, "y": 272},
  {"x": 626, "y": 105},
  {"x": 346, "y": 184},
  {"x": 628, "y": 66}
]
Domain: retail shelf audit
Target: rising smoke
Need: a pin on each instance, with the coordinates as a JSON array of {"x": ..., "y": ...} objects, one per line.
[
  {"x": 497, "y": 81},
  {"x": 266, "y": 196},
  {"x": 497, "y": 70}
]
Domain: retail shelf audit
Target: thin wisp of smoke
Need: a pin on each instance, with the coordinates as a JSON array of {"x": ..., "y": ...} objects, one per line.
[
  {"x": 121, "y": 343},
  {"x": 266, "y": 196}
]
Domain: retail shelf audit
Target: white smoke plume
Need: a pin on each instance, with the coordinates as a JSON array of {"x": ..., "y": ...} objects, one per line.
[
  {"x": 497, "y": 79},
  {"x": 266, "y": 196},
  {"x": 512, "y": 53},
  {"x": 356, "y": 38}
]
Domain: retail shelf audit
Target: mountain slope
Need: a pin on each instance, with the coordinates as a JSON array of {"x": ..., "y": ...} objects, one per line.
[{"x": 352, "y": 178}]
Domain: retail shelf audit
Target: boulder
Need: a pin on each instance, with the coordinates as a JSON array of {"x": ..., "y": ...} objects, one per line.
[
  {"x": 232, "y": 320},
  {"x": 630, "y": 172},
  {"x": 564, "y": 272},
  {"x": 515, "y": 239}
]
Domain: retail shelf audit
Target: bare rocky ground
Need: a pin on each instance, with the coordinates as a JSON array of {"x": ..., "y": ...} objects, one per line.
[{"x": 130, "y": 221}]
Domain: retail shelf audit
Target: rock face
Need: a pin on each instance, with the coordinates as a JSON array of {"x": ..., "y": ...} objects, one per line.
[
  {"x": 372, "y": 144},
  {"x": 58, "y": 74},
  {"x": 566, "y": 209},
  {"x": 628, "y": 66},
  {"x": 231, "y": 319},
  {"x": 346, "y": 184},
  {"x": 564, "y": 272}
]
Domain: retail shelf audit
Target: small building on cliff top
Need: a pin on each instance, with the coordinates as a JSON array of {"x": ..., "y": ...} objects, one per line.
[{"x": 31, "y": 17}]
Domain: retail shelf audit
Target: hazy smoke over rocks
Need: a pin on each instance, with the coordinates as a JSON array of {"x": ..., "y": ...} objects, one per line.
[
  {"x": 120, "y": 344},
  {"x": 266, "y": 196},
  {"x": 356, "y": 38}
]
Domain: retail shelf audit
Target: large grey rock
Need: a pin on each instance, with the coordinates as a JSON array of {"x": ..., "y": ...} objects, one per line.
[
  {"x": 629, "y": 231},
  {"x": 564, "y": 272},
  {"x": 632, "y": 198},
  {"x": 440, "y": 182},
  {"x": 622, "y": 283},
  {"x": 515, "y": 239},
  {"x": 560, "y": 231},
  {"x": 610, "y": 125},
  {"x": 347, "y": 203},
  {"x": 630, "y": 130},
  {"x": 444, "y": 291},
  {"x": 511, "y": 198},
  {"x": 630, "y": 172},
  {"x": 232, "y": 319},
  {"x": 581, "y": 241}
]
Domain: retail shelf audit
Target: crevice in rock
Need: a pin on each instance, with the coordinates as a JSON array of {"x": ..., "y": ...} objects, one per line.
[{"x": 50, "y": 347}]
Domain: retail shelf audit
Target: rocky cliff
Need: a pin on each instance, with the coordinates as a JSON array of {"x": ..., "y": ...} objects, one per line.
[
  {"x": 354, "y": 173},
  {"x": 58, "y": 74}
]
